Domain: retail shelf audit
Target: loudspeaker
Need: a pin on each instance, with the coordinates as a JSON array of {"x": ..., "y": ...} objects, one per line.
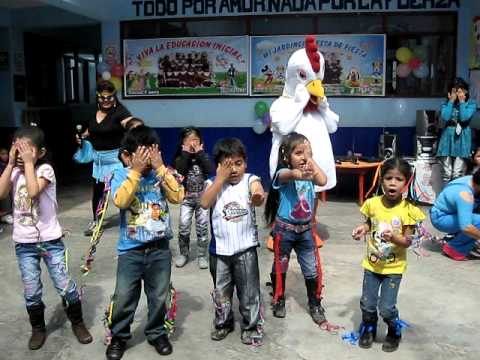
[
  {"x": 387, "y": 146},
  {"x": 427, "y": 123}
]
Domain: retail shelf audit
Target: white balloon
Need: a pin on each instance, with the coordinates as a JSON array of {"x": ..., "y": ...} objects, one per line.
[
  {"x": 106, "y": 75},
  {"x": 259, "y": 127}
]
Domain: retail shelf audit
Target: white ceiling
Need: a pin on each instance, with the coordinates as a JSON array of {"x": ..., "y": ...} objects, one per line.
[{"x": 18, "y": 4}]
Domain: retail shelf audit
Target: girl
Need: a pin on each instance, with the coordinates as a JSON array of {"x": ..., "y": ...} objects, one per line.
[
  {"x": 455, "y": 144},
  {"x": 390, "y": 220},
  {"x": 37, "y": 233},
  {"x": 193, "y": 163},
  {"x": 289, "y": 207}
]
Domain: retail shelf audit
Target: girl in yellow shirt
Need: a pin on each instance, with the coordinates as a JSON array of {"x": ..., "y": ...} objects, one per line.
[{"x": 390, "y": 221}]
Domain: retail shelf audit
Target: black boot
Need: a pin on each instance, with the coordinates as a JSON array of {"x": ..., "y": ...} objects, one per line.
[
  {"x": 115, "y": 349},
  {"x": 39, "y": 332},
  {"x": 162, "y": 345},
  {"x": 278, "y": 308},
  {"x": 368, "y": 330},
  {"x": 74, "y": 314},
  {"x": 394, "y": 335},
  {"x": 317, "y": 312}
]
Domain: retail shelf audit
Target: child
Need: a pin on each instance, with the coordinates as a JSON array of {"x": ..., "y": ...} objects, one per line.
[
  {"x": 290, "y": 206},
  {"x": 232, "y": 197},
  {"x": 140, "y": 191},
  {"x": 5, "y": 209},
  {"x": 37, "y": 233},
  {"x": 390, "y": 220},
  {"x": 455, "y": 144},
  {"x": 193, "y": 163}
]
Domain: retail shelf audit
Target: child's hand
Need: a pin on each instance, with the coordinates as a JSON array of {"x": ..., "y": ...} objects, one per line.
[
  {"x": 452, "y": 96},
  {"x": 461, "y": 96},
  {"x": 140, "y": 159},
  {"x": 224, "y": 170},
  {"x": 12, "y": 155},
  {"x": 187, "y": 148},
  {"x": 156, "y": 157},
  {"x": 197, "y": 148},
  {"x": 359, "y": 232},
  {"x": 387, "y": 235},
  {"x": 25, "y": 152},
  {"x": 256, "y": 199}
]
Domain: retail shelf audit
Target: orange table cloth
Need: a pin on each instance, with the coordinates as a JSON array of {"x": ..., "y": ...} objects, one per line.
[{"x": 361, "y": 168}]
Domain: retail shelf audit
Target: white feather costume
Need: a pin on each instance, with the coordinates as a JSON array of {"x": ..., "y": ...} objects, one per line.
[{"x": 288, "y": 114}]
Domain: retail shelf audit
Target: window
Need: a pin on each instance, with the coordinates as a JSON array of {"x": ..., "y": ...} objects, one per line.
[{"x": 429, "y": 37}]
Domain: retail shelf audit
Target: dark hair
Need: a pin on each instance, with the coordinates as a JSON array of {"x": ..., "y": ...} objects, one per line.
[
  {"x": 476, "y": 177},
  {"x": 285, "y": 150},
  {"x": 36, "y": 136},
  {"x": 105, "y": 85},
  {"x": 186, "y": 131},
  {"x": 130, "y": 123},
  {"x": 228, "y": 147},
  {"x": 402, "y": 166},
  {"x": 141, "y": 135},
  {"x": 459, "y": 83}
]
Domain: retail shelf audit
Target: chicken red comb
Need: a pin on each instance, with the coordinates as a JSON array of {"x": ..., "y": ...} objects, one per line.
[{"x": 312, "y": 54}]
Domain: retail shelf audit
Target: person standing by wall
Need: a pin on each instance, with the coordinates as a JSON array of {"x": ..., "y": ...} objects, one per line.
[{"x": 455, "y": 144}]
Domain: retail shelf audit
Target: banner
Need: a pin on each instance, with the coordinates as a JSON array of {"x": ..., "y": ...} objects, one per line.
[
  {"x": 354, "y": 64},
  {"x": 186, "y": 66}
]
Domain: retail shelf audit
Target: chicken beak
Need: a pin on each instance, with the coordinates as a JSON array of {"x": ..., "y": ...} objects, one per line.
[{"x": 315, "y": 88}]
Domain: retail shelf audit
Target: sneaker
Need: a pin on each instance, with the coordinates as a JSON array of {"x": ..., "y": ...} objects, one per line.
[
  {"x": 181, "y": 260},
  {"x": 317, "y": 312},
  {"x": 90, "y": 227},
  {"x": 220, "y": 334},
  {"x": 7, "y": 219},
  {"x": 278, "y": 309},
  {"x": 252, "y": 337},
  {"x": 116, "y": 349},
  {"x": 202, "y": 262}
]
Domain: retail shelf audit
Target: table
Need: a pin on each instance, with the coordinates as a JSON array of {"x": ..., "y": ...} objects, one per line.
[{"x": 361, "y": 168}]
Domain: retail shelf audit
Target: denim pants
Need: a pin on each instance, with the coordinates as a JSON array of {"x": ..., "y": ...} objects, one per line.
[
  {"x": 239, "y": 271},
  {"x": 388, "y": 286},
  {"x": 304, "y": 247},
  {"x": 191, "y": 207},
  {"x": 53, "y": 254},
  {"x": 153, "y": 266},
  {"x": 448, "y": 223}
]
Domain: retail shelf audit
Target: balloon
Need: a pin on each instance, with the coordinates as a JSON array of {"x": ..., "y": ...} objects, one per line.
[
  {"x": 106, "y": 75},
  {"x": 420, "y": 52},
  {"x": 261, "y": 108},
  {"x": 403, "y": 55},
  {"x": 102, "y": 67},
  {"x": 259, "y": 127},
  {"x": 117, "y": 82},
  {"x": 117, "y": 70},
  {"x": 414, "y": 63},
  {"x": 266, "y": 119},
  {"x": 403, "y": 70},
  {"x": 421, "y": 72}
]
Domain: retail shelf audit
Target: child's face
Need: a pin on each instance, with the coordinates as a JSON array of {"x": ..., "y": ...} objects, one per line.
[
  {"x": 4, "y": 155},
  {"x": 239, "y": 165},
  {"x": 393, "y": 183},
  {"x": 476, "y": 158},
  {"x": 300, "y": 154},
  {"x": 36, "y": 153},
  {"x": 191, "y": 141}
]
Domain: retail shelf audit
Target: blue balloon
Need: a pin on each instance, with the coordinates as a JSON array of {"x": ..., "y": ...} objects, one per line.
[
  {"x": 102, "y": 67},
  {"x": 259, "y": 127}
]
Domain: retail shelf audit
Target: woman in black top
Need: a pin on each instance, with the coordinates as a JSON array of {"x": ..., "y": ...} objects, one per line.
[{"x": 105, "y": 132}]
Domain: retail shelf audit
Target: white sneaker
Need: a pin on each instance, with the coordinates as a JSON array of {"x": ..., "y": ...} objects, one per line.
[
  {"x": 7, "y": 219},
  {"x": 203, "y": 262},
  {"x": 181, "y": 261}
]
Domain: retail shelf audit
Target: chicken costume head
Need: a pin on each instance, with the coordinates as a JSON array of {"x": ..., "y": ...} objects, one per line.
[{"x": 303, "y": 108}]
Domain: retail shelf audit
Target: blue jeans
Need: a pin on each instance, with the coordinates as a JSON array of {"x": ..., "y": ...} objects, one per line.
[
  {"x": 449, "y": 223},
  {"x": 387, "y": 301},
  {"x": 153, "y": 266},
  {"x": 304, "y": 247},
  {"x": 53, "y": 254}
]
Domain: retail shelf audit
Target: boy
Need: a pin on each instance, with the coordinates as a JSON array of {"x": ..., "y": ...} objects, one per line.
[
  {"x": 232, "y": 197},
  {"x": 140, "y": 190}
]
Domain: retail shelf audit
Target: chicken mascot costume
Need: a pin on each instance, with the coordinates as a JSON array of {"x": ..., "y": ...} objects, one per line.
[{"x": 303, "y": 108}]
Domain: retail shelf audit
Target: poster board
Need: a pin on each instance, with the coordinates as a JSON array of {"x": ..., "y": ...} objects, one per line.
[
  {"x": 186, "y": 66},
  {"x": 354, "y": 64}
]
